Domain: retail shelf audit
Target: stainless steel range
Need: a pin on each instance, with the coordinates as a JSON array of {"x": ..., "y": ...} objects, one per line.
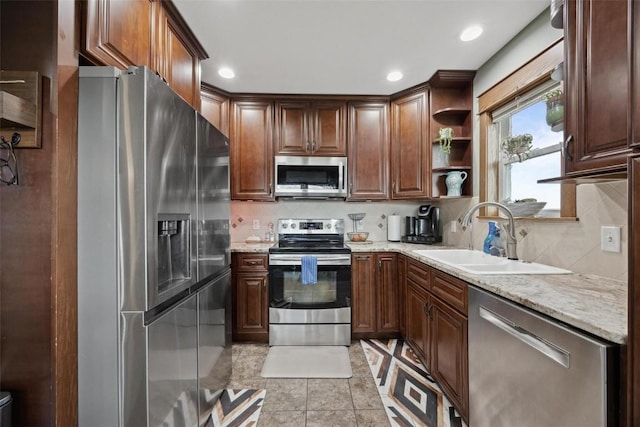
[{"x": 317, "y": 313}]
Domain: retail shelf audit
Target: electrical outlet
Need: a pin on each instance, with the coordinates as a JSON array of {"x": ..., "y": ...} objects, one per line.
[
  {"x": 453, "y": 226},
  {"x": 610, "y": 239},
  {"x": 256, "y": 224},
  {"x": 359, "y": 225}
]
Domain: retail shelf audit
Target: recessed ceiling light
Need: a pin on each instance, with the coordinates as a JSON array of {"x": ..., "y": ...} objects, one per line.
[
  {"x": 394, "y": 76},
  {"x": 471, "y": 33},
  {"x": 226, "y": 72}
]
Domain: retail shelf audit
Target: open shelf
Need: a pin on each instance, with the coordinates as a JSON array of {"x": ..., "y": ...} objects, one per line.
[
  {"x": 451, "y": 105},
  {"x": 20, "y": 106},
  {"x": 451, "y": 116}
]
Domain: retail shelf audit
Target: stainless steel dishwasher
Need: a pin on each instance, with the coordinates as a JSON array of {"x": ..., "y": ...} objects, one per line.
[{"x": 528, "y": 370}]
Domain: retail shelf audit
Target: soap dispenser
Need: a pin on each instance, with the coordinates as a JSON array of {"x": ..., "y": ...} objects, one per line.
[{"x": 493, "y": 228}]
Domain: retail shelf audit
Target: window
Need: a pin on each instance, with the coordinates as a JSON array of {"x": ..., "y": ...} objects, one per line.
[
  {"x": 515, "y": 106},
  {"x": 518, "y": 173}
]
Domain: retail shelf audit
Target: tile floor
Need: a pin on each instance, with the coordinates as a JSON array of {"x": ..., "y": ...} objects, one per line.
[{"x": 310, "y": 402}]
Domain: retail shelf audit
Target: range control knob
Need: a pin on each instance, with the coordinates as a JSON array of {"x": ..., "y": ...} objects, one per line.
[
  {"x": 285, "y": 225},
  {"x": 328, "y": 225},
  {"x": 293, "y": 225}
]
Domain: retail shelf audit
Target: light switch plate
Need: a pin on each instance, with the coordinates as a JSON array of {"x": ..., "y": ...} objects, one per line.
[
  {"x": 610, "y": 239},
  {"x": 256, "y": 224}
]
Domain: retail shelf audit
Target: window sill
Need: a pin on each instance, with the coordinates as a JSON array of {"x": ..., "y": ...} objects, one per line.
[{"x": 531, "y": 219}]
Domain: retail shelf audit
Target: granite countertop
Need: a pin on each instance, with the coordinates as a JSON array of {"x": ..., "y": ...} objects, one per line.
[{"x": 594, "y": 304}]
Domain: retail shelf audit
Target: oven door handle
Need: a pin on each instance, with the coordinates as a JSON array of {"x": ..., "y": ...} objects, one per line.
[{"x": 322, "y": 260}]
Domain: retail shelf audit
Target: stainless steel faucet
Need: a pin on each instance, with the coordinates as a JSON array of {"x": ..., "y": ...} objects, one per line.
[{"x": 512, "y": 252}]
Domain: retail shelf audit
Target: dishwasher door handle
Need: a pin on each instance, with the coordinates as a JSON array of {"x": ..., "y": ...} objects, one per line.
[{"x": 551, "y": 351}]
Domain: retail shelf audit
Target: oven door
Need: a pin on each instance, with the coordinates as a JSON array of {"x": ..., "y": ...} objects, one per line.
[{"x": 333, "y": 289}]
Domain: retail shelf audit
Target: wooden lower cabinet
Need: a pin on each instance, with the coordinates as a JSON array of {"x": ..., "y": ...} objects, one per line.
[
  {"x": 449, "y": 355},
  {"x": 374, "y": 295},
  {"x": 402, "y": 293},
  {"x": 417, "y": 329},
  {"x": 436, "y": 328},
  {"x": 250, "y": 297}
]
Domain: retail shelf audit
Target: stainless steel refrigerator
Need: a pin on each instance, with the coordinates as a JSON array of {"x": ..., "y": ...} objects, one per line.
[{"x": 154, "y": 329}]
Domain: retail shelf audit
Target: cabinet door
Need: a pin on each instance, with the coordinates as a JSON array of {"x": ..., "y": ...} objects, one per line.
[
  {"x": 179, "y": 66},
  {"x": 118, "y": 33},
  {"x": 215, "y": 108},
  {"x": 410, "y": 147},
  {"x": 402, "y": 293},
  {"x": 292, "y": 129},
  {"x": 252, "y": 150},
  {"x": 251, "y": 319},
  {"x": 635, "y": 67},
  {"x": 387, "y": 293},
  {"x": 449, "y": 361},
  {"x": 329, "y": 129},
  {"x": 417, "y": 328},
  {"x": 363, "y": 293},
  {"x": 368, "y": 151},
  {"x": 597, "y": 100}
]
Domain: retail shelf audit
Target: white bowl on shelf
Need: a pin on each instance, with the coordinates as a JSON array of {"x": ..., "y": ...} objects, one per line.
[{"x": 525, "y": 209}]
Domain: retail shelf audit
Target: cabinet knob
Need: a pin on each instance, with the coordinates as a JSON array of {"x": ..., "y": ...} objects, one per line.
[
  {"x": 350, "y": 189},
  {"x": 313, "y": 147},
  {"x": 270, "y": 188}
]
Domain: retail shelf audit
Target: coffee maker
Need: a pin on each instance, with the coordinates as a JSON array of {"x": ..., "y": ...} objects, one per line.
[{"x": 424, "y": 228}]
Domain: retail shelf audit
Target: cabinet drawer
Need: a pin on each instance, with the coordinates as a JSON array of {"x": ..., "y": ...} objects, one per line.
[
  {"x": 450, "y": 290},
  {"x": 418, "y": 273},
  {"x": 251, "y": 262}
]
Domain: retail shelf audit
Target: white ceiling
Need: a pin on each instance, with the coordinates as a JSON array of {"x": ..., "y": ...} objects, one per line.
[{"x": 346, "y": 46}]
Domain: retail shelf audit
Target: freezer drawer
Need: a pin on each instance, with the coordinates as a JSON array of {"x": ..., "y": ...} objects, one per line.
[{"x": 527, "y": 370}]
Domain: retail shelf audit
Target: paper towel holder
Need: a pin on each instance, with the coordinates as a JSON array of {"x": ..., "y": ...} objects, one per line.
[{"x": 394, "y": 228}]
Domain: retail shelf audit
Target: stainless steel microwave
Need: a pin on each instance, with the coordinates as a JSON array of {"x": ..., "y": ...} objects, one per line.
[{"x": 311, "y": 177}]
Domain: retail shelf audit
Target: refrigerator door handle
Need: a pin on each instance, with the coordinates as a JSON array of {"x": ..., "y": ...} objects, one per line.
[{"x": 552, "y": 351}]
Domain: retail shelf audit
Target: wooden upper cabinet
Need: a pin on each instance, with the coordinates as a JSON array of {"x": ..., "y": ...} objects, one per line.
[
  {"x": 369, "y": 150},
  {"x": 119, "y": 33},
  {"x": 145, "y": 33},
  {"x": 597, "y": 85},
  {"x": 177, "y": 54},
  {"x": 251, "y": 136},
  {"x": 311, "y": 128},
  {"x": 214, "y": 106},
  {"x": 410, "y": 147}
]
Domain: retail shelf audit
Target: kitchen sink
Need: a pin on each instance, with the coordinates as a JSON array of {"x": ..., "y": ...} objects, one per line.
[{"x": 476, "y": 262}]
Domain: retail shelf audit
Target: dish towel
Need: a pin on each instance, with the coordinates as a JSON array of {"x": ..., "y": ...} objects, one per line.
[{"x": 309, "y": 270}]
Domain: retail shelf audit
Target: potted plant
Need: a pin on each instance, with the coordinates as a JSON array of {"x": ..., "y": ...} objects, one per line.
[
  {"x": 445, "y": 136},
  {"x": 517, "y": 145},
  {"x": 555, "y": 108}
]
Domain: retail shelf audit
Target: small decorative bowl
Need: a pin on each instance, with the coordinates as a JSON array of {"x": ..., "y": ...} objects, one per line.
[
  {"x": 360, "y": 236},
  {"x": 525, "y": 209}
]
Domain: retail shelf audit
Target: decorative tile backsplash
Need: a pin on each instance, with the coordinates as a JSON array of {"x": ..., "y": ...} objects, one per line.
[{"x": 571, "y": 245}]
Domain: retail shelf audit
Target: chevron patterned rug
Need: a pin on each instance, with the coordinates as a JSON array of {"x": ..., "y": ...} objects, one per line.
[
  {"x": 237, "y": 408},
  {"x": 410, "y": 396}
]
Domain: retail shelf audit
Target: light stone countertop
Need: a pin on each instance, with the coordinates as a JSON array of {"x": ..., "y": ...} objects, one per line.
[{"x": 594, "y": 304}]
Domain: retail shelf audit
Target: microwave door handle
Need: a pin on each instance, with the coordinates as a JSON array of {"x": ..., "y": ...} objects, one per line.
[{"x": 341, "y": 185}]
